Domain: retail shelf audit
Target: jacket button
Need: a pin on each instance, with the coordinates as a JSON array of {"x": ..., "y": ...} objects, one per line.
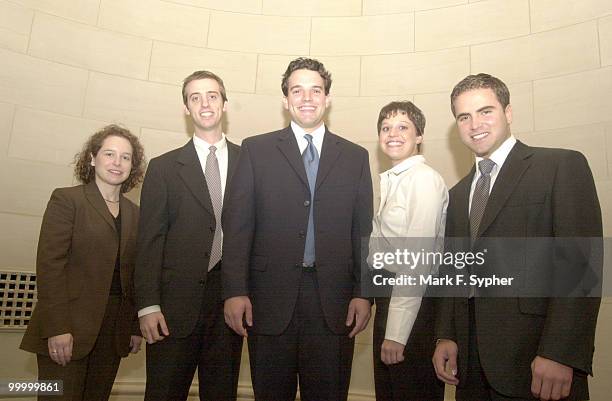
[
  {"x": 306, "y": 203},
  {"x": 202, "y": 282},
  {"x": 301, "y": 234}
]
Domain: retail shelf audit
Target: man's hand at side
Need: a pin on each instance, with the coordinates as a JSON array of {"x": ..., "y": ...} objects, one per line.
[
  {"x": 550, "y": 380},
  {"x": 359, "y": 311},
  {"x": 445, "y": 361},
  {"x": 235, "y": 310},
  {"x": 150, "y": 326}
]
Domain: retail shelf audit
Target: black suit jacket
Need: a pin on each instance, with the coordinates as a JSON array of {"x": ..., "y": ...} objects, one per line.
[
  {"x": 265, "y": 220},
  {"x": 539, "y": 192},
  {"x": 177, "y": 226}
]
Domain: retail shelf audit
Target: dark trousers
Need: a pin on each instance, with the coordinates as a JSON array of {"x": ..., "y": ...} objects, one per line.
[
  {"x": 90, "y": 378},
  {"x": 413, "y": 379},
  {"x": 476, "y": 386},
  {"x": 307, "y": 352},
  {"x": 213, "y": 348}
]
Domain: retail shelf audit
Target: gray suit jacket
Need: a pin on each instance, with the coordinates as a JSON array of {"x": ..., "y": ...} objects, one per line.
[
  {"x": 177, "y": 226},
  {"x": 543, "y": 193}
]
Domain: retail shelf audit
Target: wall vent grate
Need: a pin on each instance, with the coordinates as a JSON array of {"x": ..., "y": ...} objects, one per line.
[{"x": 17, "y": 299}]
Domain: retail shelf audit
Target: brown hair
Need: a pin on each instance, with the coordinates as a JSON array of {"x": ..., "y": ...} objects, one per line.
[
  {"x": 482, "y": 81},
  {"x": 203, "y": 75},
  {"x": 303, "y": 63},
  {"x": 85, "y": 172},
  {"x": 404, "y": 107}
]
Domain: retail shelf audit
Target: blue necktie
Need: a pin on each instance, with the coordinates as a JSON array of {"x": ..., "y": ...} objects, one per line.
[{"x": 311, "y": 163}]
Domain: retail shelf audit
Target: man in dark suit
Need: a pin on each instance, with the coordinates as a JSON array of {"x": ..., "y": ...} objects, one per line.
[
  {"x": 520, "y": 348},
  {"x": 178, "y": 267},
  {"x": 294, "y": 224}
]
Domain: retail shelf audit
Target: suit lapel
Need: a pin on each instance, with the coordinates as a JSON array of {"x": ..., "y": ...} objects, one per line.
[
  {"x": 331, "y": 149},
  {"x": 288, "y": 146},
  {"x": 127, "y": 222},
  {"x": 191, "y": 173},
  {"x": 461, "y": 205},
  {"x": 509, "y": 176},
  {"x": 94, "y": 197},
  {"x": 233, "y": 151}
]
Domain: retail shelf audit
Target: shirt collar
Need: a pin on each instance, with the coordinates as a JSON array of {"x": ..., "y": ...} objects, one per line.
[
  {"x": 203, "y": 145},
  {"x": 405, "y": 165},
  {"x": 317, "y": 135},
  {"x": 500, "y": 155}
]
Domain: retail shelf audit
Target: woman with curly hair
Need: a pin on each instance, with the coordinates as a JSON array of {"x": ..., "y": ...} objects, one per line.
[{"x": 84, "y": 320}]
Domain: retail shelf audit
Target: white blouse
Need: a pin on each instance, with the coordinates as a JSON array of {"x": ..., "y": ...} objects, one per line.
[{"x": 413, "y": 203}]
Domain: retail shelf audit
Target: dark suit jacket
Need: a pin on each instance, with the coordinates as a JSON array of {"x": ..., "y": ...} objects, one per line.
[
  {"x": 77, "y": 251},
  {"x": 265, "y": 221},
  {"x": 177, "y": 226},
  {"x": 539, "y": 192}
]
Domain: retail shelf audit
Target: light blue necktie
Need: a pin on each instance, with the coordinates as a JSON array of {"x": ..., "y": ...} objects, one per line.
[{"x": 311, "y": 163}]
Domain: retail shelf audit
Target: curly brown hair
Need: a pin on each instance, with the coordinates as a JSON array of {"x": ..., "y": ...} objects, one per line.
[{"x": 85, "y": 172}]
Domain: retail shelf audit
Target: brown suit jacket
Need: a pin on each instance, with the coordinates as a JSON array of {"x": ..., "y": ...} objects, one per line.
[{"x": 77, "y": 251}]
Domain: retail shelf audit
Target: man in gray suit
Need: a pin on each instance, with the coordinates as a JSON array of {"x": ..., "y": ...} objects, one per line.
[
  {"x": 298, "y": 208},
  {"x": 178, "y": 266}
]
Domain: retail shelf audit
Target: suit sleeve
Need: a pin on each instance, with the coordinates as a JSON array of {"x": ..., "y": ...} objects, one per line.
[
  {"x": 569, "y": 330},
  {"x": 238, "y": 221},
  {"x": 444, "y": 305},
  {"x": 362, "y": 226},
  {"x": 152, "y": 232},
  {"x": 54, "y": 246}
]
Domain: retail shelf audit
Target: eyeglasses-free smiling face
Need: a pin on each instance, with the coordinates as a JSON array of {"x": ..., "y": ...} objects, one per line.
[
  {"x": 398, "y": 137},
  {"x": 306, "y": 100},
  {"x": 113, "y": 162},
  {"x": 205, "y": 104},
  {"x": 482, "y": 121}
]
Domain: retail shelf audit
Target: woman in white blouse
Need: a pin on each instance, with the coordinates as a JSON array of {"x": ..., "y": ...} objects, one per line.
[{"x": 412, "y": 205}]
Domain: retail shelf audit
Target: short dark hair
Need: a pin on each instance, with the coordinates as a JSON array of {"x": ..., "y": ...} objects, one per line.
[
  {"x": 408, "y": 108},
  {"x": 85, "y": 172},
  {"x": 303, "y": 63},
  {"x": 482, "y": 81},
  {"x": 203, "y": 75},
  {"x": 405, "y": 107}
]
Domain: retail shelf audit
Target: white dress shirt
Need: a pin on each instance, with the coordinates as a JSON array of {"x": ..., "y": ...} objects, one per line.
[
  {"x": 499, "y": 156},
  {"x": 413, "y": 203},
  {"x": 317, "y": 137},
  {"x": 202, "y": 150}
]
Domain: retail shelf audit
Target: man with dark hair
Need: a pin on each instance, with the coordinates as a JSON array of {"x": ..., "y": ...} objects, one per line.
[
  {"x": 526, "y": 347},
  {"x": 178, "y": 266},
  {"x": 298, "y": 209}
]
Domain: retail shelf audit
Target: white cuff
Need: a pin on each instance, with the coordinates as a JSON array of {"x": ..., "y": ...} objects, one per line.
[
  {"x": 148, "y": 310},
  {"x": 402, "y": 314}
]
